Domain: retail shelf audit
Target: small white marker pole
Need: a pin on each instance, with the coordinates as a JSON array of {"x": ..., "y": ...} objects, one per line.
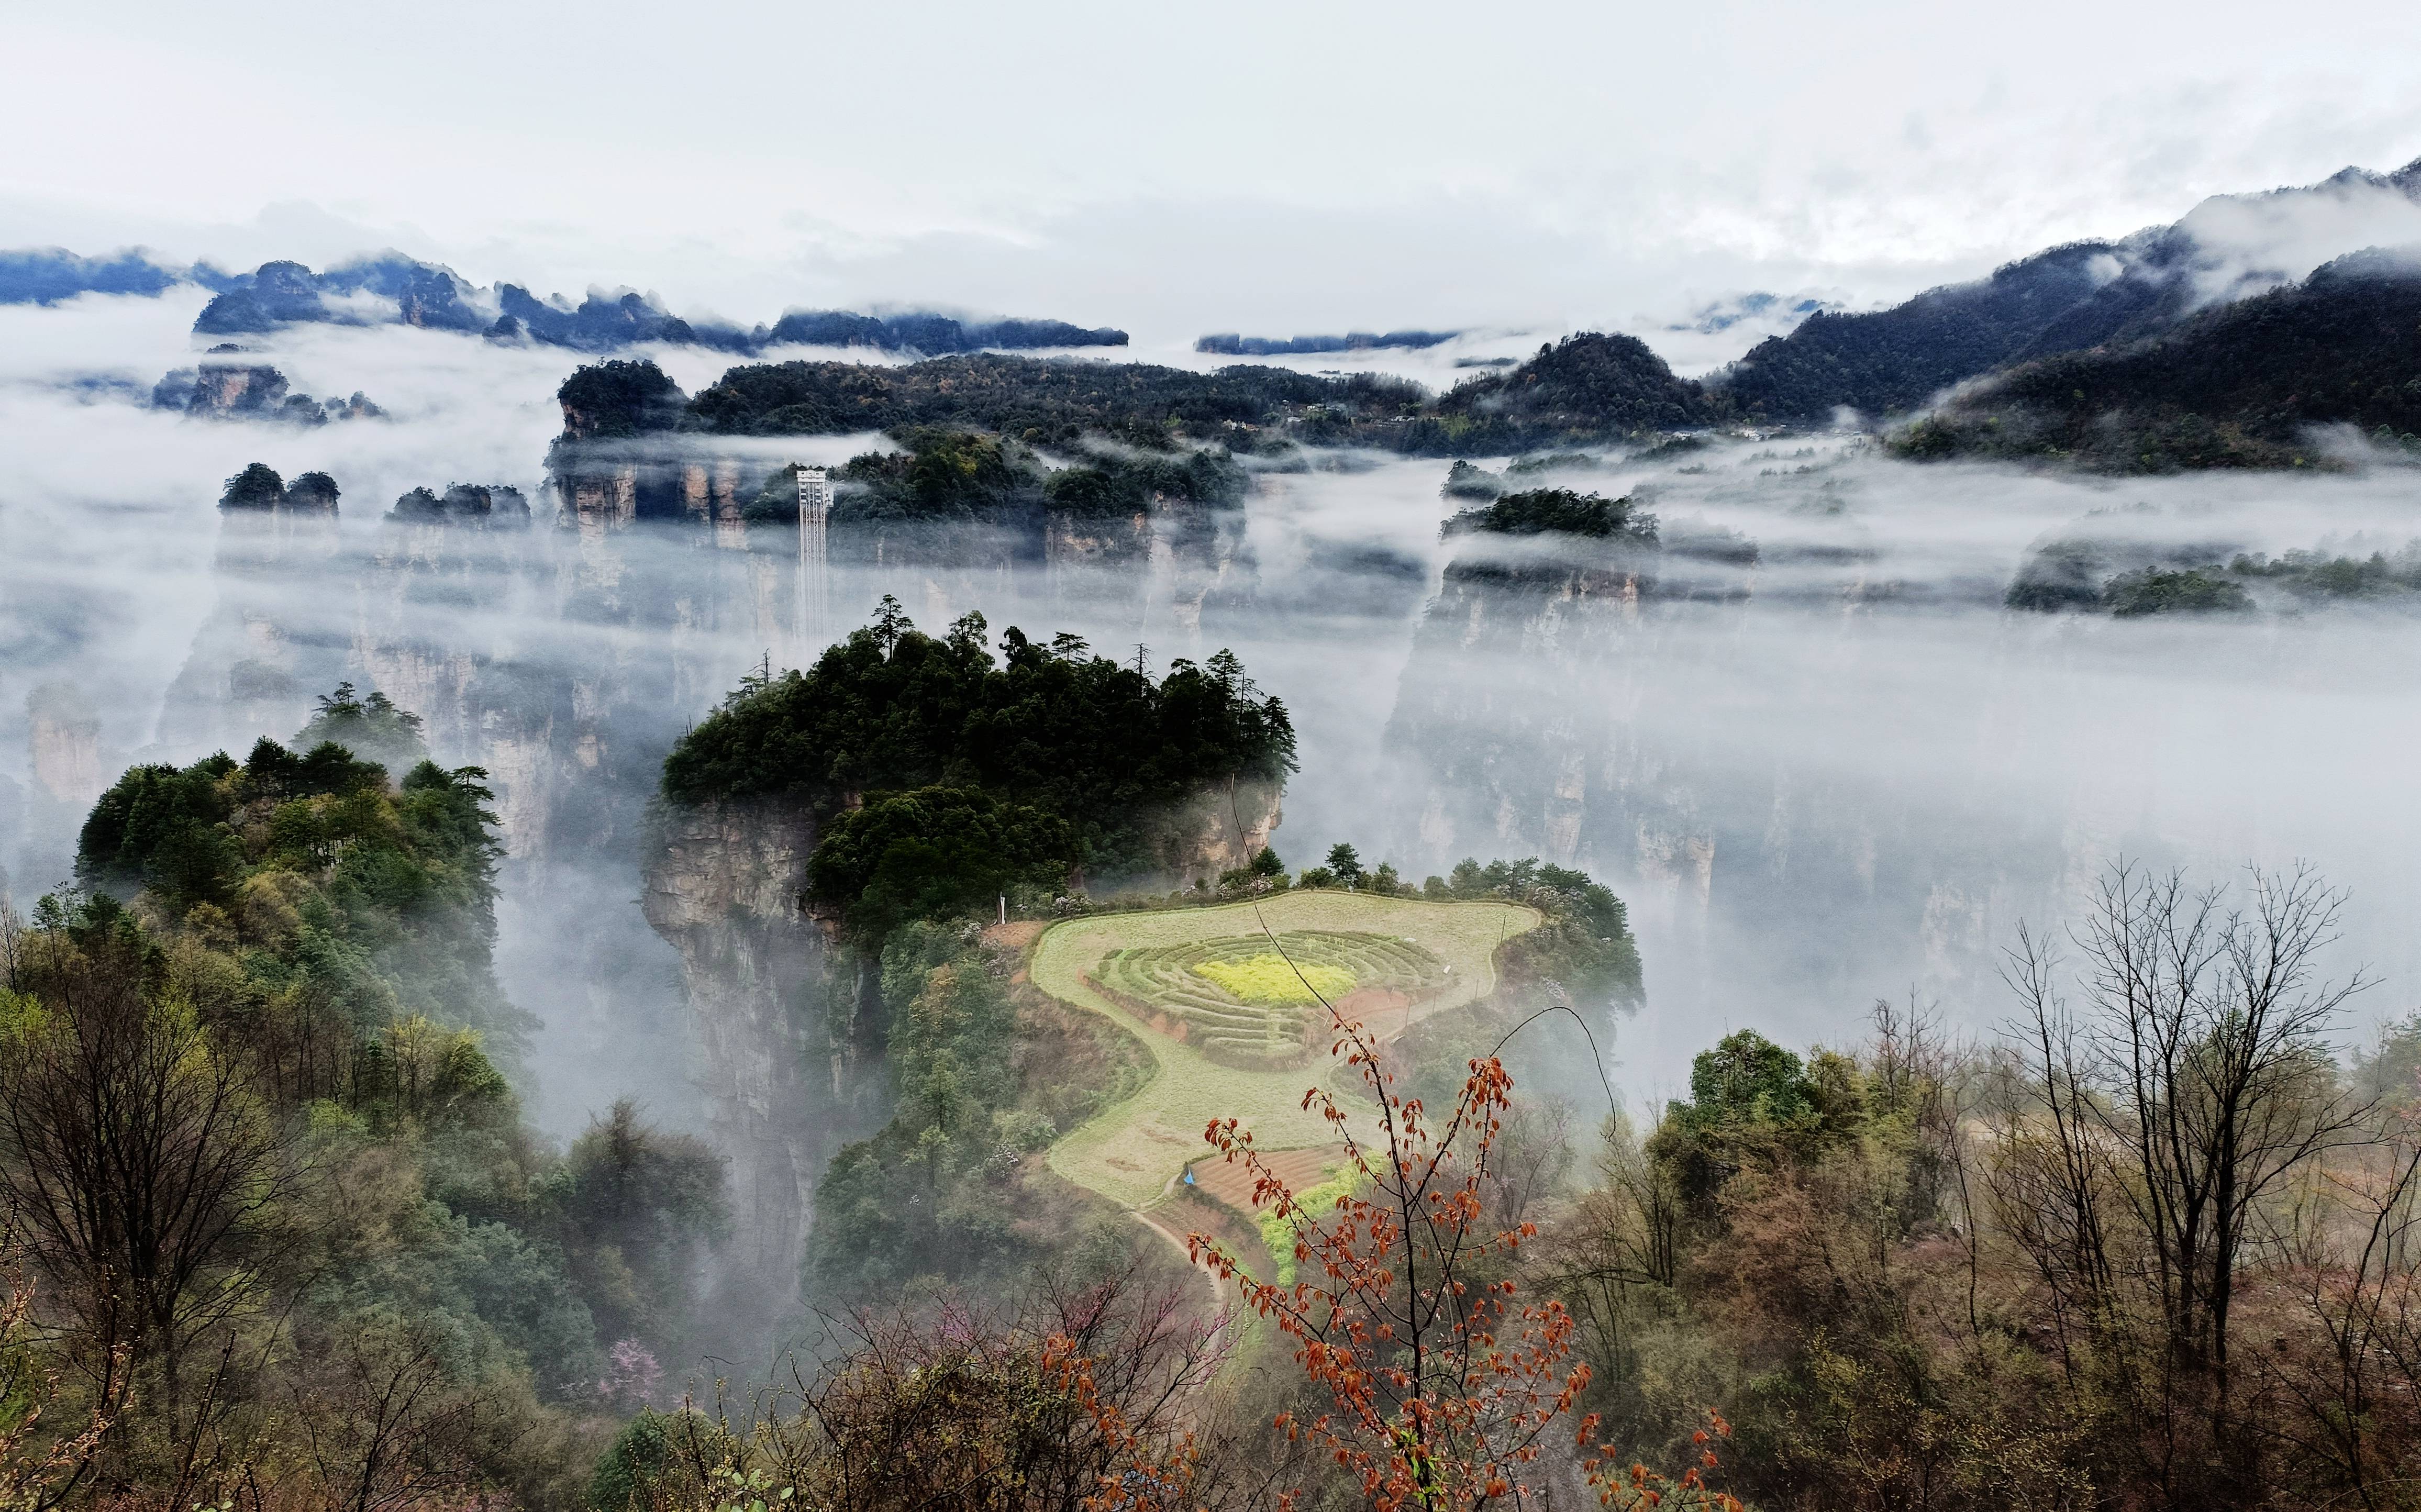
[{"x": 1004, "y": 908}]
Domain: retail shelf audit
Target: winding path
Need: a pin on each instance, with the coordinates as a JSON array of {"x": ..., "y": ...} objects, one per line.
[{"x": 1135, "y": 1152}]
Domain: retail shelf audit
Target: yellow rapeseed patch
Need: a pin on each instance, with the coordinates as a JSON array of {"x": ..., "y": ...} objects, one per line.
[{"x": 1268, "y": 978}]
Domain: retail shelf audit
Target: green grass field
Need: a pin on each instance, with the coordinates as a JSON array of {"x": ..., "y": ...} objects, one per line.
[
  {"x": 1250, "y": 999},
  {"x": 1130, "y": 1153}
]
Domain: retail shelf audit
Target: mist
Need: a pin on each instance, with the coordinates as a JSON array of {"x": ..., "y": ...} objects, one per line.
[{"x": 1842, "y": 772}]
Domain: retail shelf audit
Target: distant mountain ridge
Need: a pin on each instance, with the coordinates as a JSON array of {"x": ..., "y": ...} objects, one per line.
[
  {"x": 1232, "y": 345},
  {"x": 2071, "y": 298},
  {"x": 45, "y": 276},
  {"x": 1586, "y": 389},
  {"x": 2240, "y": 385},
  {"x": 392, "y": 289}
]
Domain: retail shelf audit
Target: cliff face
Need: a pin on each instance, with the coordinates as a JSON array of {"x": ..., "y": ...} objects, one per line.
[
  {"x": 1220, "y": 831},
  {"x": 722, "y": 886},
  {"x": 785, "y": 1081},
  {"x": 65, "y": 739}
]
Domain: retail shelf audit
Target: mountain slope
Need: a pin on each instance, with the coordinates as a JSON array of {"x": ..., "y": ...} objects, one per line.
[
  {"x": 2071, "y": 298},
  {"x": 2234, "y": 387},
  {"x": 1586, "y": 387}
]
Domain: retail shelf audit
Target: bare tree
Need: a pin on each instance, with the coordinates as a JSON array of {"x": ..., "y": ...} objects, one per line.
[
  {"x": 2197, "y": 1075},
  {"x": 136, "y": 1154},
  {"x": 1092, "y": 1393},
  {"x": 41, "y": 1462},
  {"x": 383, "y": 1422},
  {"x": 2344, "y": 1374},
  {"x": 2051, "y": 1171}
]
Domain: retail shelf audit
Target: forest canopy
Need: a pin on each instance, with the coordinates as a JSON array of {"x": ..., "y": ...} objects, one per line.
[
  {"x": 1588, "y": 387},
  {"x": 259, "y": 1150},
  {"x": 1104, "y": 746}
]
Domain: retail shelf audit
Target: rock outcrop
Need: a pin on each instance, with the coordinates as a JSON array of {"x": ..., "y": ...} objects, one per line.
[
  {"x": 723, "y": 886},
  {"x": 251, "y": 391},
  {"x": 788, "y": 1076}
]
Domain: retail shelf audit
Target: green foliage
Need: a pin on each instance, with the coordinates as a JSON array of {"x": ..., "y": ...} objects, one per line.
[
  {"x": 776, "y": 500},
  {"x": 1345, "y": 863},
  {"x": 1119, "y": 485},
  {"x": 1889, "y": 361},
  {"x": 165, "y": 830},
  {"x": 2388, "y": 1070},
  {"x": 1264, "y": 873},
  {"x": 504, "y": 1295},
  {"x": 1589, "y": 387},
  {"x": 2154, "y": 591},
  {"x": 2320, "y": 578},
  {"x": 931, "y": 1194},
  {"x": 630, "y": 1466},
  {"x": 1558, "y": 511},
  {"x": 376, "y": 901},
  {"x": 2131, "y": 578},
  {"x": 2060, "y": 575},
  {"x": 1584, "y": 944},
  {"x": 639, "y": 1204},
  {"x": 1103, "y": 747},
  {"x": 312, "y": 490},
  {"x": 321, "y": 938},
  {"x": 1586, "y": 387},
  {"x": 372, "y": 728},
  {"x": 1746, "y": 1079},
  {"x": 933, "y": 853},
  {"x": 941, "y": 474},
  {"x": 1039, "y": 401},
  {"x": 257, "y": 487},
  {"x": 618, "y": 398},
  {"x": 1465, "y": 481}
]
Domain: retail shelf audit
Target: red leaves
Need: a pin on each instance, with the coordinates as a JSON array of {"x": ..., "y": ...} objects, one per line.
[
  {"x": 1433, "y": 1410},
  {"x": 1644, "y": 1488}
]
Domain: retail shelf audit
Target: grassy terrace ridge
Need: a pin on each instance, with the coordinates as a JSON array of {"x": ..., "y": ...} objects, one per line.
[{"x": 1130, "y": 1152}]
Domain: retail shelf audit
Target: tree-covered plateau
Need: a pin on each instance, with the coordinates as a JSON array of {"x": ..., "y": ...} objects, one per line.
[{"x": 1100, "y": 753}]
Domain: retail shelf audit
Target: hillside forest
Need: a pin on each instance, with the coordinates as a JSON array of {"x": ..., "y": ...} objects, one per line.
[{"x": 280, "y": 1238}]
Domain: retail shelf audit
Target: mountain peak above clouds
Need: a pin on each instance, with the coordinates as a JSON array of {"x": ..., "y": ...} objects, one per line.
[{"x": 2076, "y": 297}]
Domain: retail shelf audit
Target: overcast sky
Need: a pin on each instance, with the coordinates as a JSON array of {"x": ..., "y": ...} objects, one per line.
[{"x": 1174, "y": 169}]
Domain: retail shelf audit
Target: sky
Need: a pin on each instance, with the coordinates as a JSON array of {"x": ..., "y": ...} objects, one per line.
[{"x": 1175, "y": 170}]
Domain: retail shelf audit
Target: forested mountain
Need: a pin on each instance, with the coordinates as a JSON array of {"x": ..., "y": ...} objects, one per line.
[
  {"x": 260, "y": 1156},
  {"x": 1584, "y": 387},
  {"x": 45, "y": 276},
  {"x": 1100, "y": 752},
  {"x": 390, "y": 287},
  {"x": 2234, "y": 387},
  {"x": 1030, "y": 398},
  {"x": 1896, "y": 359},
  {"x": 1589, "y": 387},
  {"x": 2071, "y": 297},
  {"x": 1233, "y": 345}
]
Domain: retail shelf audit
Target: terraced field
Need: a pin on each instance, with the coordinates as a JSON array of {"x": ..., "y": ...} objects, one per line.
[
  {"x": 1256, "y": 1001},
  {"x": 1131, "y": 1152}
]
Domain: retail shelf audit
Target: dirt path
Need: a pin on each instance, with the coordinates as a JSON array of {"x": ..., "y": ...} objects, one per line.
[{"x": 1222, "y": 1291}]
